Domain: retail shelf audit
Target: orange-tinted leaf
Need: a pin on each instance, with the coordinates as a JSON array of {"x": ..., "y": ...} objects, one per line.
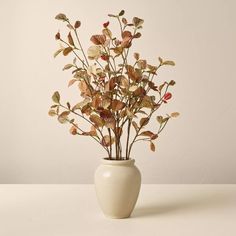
[
  {"x": 71, "y": 82},
  {"x": 73, "y": 130},
  {"x": 67, "y": 50},
  {"x": 136, "y": 56},
  {"x": 98, "y": 39},
  {"x": 135, "y": 126},
  {"x": 152, "y": 146},
  {"x": 117, "y": 105},
  {"x": 62, "y": 118},
  {"x": 147, "y": 133},
  {"x": 70, "y": 39},
  {"x": 96, "y": 120}
]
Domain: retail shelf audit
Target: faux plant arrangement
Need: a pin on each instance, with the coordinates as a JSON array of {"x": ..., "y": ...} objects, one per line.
[{"x": 119, "y": 95}]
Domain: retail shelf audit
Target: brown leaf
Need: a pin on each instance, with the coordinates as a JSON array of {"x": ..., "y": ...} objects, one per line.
[
  {"x": 172, "y": 82},
  {"x": 124, "y": 21},
  {"x": 96, "y": 120},
  {"x": 57, "y": 36},
  {"x": 143, "y": 122},
  {"x": 136, "y": 56},
  {"x": 106, "y": 141},
  {"x": 110, "y": 123},
  {"x": 142, "y": 64},
  {"x": 135, "y": 126},
  {"x": 73, "y": 130},
  {"x": 137, "y": 35},
  {"x": 62, "y": 118},
  {"x": 96, "y": 101},
  {"x": 117, "y": 105},
  {"x": 77, "y": 24},
  {"x": 70, "y": 39},
  {"x": 147, "y": 133},
  {"x": 98, "y": 39},
  {"x": 152, "y": 146},
  {"x": 139, "y": 92},
  {"x": 67, "y": 50}
]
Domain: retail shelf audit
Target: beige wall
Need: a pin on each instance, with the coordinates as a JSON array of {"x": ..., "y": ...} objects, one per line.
[{"x": 200, "y": 36}]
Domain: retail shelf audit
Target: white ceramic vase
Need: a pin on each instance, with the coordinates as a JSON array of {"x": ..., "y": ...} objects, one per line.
[{"x": 117, "y": 186}]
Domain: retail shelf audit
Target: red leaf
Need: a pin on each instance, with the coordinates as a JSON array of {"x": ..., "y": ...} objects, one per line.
[
  {"x": 105, "y": 57},
  {"x": 105, "y": 25},
  {"x": 57, "y": 36},
  {"x": 167, "y": 96}
]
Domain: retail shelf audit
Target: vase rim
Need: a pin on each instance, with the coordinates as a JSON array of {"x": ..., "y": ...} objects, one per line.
[{"x": 107, "y": 161}]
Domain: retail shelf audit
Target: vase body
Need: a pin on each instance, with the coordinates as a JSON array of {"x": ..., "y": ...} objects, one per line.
[{"x": 117, "y": 185}]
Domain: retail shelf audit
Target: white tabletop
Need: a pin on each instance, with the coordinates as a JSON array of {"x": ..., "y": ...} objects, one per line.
[{"x": 68, "y": 210}]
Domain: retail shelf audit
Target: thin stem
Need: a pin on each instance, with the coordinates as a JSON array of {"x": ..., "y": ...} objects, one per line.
[
  {"x": 137, "y": 134},
  {"x": 127, "y": 141},
  {"x": 77, "y": 37},
  {"x": 109, "y": 131},
  {"x": 74, "y": 53}
]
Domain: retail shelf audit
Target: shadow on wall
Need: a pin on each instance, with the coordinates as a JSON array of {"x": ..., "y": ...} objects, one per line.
[{"x": 189, "y": 203}]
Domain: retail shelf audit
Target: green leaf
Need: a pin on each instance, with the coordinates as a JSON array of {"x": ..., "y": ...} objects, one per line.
[
  {"x": 160, "y": 119},
  {"x": 58, "y": 52},
  {"x": 122, "y": 12},
  {"x": 61, "y": 17},
  {"x": 68, "y": 66},
  {"x": 170, "y": 63},
  {"x": 56, "y": 97},
  {"x": 137, "y": 22},
  {"x": 174, "y": 114}
]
